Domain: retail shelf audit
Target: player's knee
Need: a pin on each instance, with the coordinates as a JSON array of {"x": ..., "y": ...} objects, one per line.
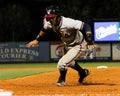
[{"x": 62, "y": 66}]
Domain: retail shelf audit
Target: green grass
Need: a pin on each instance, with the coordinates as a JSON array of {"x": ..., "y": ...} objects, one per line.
[
  {"x": 28, "y": 65},
  {"x": 95, "y": 64},
  {"x": 53, "y": 65},
  {"x": 10, "y": 74},
  {"x": 16, "y": 73}
]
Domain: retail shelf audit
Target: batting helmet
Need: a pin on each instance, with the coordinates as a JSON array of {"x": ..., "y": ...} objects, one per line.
[{"x": 52, "y": 11}]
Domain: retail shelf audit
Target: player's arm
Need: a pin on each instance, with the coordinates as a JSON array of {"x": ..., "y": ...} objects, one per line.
[
  {"x": 86, "y": 30},
  {"x": 37, "y": 39},
  {"x": 46, "y": 26}
]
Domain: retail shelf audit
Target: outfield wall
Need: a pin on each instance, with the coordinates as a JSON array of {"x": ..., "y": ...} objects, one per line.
[
  {"x": 52, "y": 52},
  {"x": 18, "y": 52}
]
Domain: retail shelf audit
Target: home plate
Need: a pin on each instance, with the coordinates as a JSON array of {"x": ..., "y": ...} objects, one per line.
[
  {"x": 5, "y": 93},
  {"x": 99, "y": 67}
]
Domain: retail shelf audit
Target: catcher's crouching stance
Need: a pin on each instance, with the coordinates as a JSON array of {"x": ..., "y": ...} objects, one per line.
[{"x": 76, "y": 36}]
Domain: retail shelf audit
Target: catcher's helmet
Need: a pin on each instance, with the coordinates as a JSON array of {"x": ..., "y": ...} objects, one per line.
[{"x": 52, "y": 11}]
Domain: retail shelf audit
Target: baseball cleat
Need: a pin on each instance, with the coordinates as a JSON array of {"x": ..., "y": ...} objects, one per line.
[
  {"x": 60, "y": 82},
  {"x": 84, "y": 75}
]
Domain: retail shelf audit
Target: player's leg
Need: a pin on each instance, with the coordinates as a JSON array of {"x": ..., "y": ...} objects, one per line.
[
  {"x": 82, "y": 72},
  {"x": 68, "y": 60},
  {"x": 62, "y": 77},
  {"x": 62, "y": 67}
]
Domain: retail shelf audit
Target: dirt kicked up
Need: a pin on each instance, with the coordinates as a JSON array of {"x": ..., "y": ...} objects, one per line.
[{"x": 101, "y": 82}]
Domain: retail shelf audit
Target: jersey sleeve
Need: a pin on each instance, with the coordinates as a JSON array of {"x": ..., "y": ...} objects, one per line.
[
  {"x": 72, "y": 23},
  {"x": 46, "y": 25}
]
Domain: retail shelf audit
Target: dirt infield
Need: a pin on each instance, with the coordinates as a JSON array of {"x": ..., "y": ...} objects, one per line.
[{"x": 101, "y": 82}]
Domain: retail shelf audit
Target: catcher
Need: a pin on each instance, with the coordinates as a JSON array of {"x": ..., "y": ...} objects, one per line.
[{"x": 76, "y": 36}]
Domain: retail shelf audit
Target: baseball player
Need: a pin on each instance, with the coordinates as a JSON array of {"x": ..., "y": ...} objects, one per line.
[{"x": 76, "y": 36}]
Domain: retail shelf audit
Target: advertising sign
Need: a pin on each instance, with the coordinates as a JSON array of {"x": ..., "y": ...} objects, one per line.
[
  {"x": 102, "y": 52},
  {"x": 106, "y": 31},
  {"x": 56, "y": 50},
  {"x": 18, "y": 52},
  {"x": 116, "y": 51}
]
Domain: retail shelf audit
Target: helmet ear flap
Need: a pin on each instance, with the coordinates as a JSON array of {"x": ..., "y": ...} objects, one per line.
[
  {"x": 52, "y": 10},
  {"x": 57, "y": 9}
]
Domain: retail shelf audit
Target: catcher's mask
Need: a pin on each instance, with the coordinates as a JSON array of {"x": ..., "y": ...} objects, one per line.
[{"x": 51, "y": 12}]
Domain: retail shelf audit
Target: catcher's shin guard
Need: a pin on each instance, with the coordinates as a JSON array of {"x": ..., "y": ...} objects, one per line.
[
  {"x": 82, "y": 72},
  {"x": 61, "y": 79}
]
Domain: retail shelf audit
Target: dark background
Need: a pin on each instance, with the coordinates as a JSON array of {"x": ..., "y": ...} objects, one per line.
[{"x": 21, "y": 20}]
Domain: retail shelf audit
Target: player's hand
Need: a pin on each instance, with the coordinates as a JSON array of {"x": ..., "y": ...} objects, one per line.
[
  {"x": 91, "y": 46},
  {"x": 32, "y": 43}
]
